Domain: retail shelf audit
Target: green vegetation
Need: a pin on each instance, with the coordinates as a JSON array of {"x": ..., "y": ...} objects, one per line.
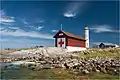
[
  {"x": 110, "y": 53},
  {"x": 56, "y": 74}
]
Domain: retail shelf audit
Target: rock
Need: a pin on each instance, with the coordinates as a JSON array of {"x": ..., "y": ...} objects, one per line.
[
  {"x": 97, "y": 70},
  {"x": 42, "y": 62},
  {"x": 70, "y": 65},
  {"x": 32, "y": 67},
  {"x": 38, "y": 67},
  {"x": 58, "y": 66},
  {"x": 85, "y": 71},
  {"x": 66, "y": 66},
  {"x": 29, "y": 65},
  {"x": 46, "y": 66},
  {"x": 50, "y": 62},
  {"x": 103, "y": 70}
]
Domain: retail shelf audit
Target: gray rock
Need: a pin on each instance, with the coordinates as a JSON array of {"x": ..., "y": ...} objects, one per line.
[
  {"x": 85, "y": 71},
  {"x": 38, "y": 67},
  {"x": 32, "y": 67},
  {"x": 42, "y": 62},
  {"x": 103, "y": 70},
  {"x": 97, "y": 70},
  {"x": 46, "y": 66}
]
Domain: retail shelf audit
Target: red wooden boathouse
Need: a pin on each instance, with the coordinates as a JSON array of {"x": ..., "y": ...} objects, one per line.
[{"x": 70, "y": 41}]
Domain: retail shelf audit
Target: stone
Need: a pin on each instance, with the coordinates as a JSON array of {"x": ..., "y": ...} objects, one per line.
[
  {"x": 29, "y": 65},
  {"x": 50, "y": 62},
  {"x": 38, "y": 67},
  {"x": 32, "y": 67},
  {"x": 97, "y": 70},
  {"x": 103, "y": 70},
  {"x": 46, "y": 66},
  {"x": 85, "y": 71},
  {"x": 42, "y": 62},
  {"x": 66, "y": 66}
]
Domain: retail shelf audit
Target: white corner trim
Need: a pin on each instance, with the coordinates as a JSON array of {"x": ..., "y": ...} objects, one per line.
[{"x": 71, "y": 48}]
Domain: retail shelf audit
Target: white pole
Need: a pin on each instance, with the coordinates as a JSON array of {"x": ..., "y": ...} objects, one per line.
[{"x": 61, "y": 27}]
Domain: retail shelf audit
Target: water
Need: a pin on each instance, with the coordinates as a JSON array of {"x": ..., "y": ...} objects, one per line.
[
  {"x": 13, "y": 73},
  {"x": 13, "y": 70}
]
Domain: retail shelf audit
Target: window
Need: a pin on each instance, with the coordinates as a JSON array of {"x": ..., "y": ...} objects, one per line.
[{"x": 60, "y": 34}]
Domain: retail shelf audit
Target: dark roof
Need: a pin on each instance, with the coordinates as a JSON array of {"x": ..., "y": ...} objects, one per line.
[
  {"x": 71, "y": 35},
  {"x": 108, "y": 44}
]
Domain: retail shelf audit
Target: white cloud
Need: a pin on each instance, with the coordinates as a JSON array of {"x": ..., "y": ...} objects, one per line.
[
  {"x": 14, "y": 28},
  {"x": 102, "y": 28},
  {"x": 69, "y": 14},
  {"x": 35, "y": 27},
  {"x": 7, "y": 19},
  {"x": 22, "y": 33},
  {"x": 1, "y": 28},
  {"x": 4, "y": 23},
  {"x": 39, "y": 27},
  {"x": 4, "y": 18},
  {"x": 73, "y": 9},
  {"x": 25, "y": 22},
  {"x": 54, "y": 30},
  {"x": 41, "y": 21}
]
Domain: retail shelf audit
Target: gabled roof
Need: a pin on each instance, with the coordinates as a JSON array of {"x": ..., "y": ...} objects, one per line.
[{"x": 70, "y": 35}]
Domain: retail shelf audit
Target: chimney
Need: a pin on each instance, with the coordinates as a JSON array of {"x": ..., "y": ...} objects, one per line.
[{"x": 86, "y": 37}]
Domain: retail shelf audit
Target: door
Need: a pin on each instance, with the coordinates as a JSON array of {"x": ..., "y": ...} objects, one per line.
[{"x": 61, "y": 42}]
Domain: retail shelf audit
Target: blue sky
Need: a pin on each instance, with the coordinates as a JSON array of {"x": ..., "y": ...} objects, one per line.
[{"x": 30, "y": 23}]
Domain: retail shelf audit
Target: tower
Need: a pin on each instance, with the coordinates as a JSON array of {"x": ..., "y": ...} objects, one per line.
[{"x": 86, "y": 37}]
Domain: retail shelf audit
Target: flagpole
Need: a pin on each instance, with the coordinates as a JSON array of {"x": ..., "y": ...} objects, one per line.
[{"x": 61, "y": 27}]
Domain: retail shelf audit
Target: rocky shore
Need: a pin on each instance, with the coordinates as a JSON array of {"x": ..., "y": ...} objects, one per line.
[
  {"x": 110, "y": 66},
  {"x": 72, "y": 62}
]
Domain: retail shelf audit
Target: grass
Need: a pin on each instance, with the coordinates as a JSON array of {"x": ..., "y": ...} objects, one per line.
[
  {"x": 54, "y": 74},
  {"x": 101, "y": 54}
]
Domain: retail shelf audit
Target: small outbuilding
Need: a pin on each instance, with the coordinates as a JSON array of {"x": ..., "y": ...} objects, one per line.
[{"x": 107, "y": 45}]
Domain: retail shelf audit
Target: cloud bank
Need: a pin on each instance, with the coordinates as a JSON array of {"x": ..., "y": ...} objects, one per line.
[
  {"x": 23, "y": 33},
  {"x": 103, "y": 28},
  {"x": 4, "y": 18},
  {"x": 23, "y": 43}
]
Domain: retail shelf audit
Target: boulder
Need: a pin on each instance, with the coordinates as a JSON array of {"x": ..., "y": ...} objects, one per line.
[
  {"x": 42, "y": 62},
  {"x": 32, "y": 67},
  {"x": 85, "y": 71},
  {"x": 38, "y": 67},
  {"x": 46, "y": 66},
  {"x": 103, "y": 70}
]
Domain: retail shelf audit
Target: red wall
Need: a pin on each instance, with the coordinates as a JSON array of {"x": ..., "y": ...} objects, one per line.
[{"x": 75, "y": 42}]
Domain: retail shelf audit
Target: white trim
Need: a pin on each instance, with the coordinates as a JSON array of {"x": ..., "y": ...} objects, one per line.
[{"x": 71, "y": 48}]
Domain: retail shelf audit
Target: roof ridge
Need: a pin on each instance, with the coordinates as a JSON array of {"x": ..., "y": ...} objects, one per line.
[{"x": 73, "y": 35}]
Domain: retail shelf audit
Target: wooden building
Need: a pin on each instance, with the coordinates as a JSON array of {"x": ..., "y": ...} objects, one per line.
[
  {"x": 107, "y": 45},
  {"x": 69, "y": 41}
]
